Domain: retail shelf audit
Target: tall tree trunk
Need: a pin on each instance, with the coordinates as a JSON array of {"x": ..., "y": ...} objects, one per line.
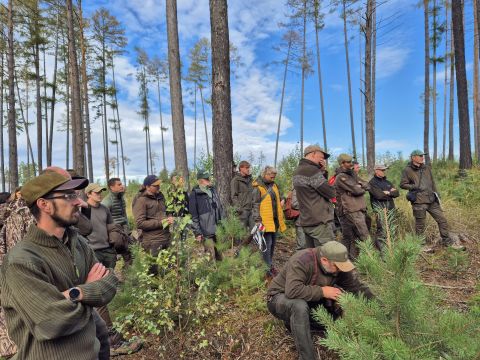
[
  {"x": 374, "y": 72},
  {"x": 45, "y": 101},
  {"x": 78, "y": 138},
  {"x": 462, "y": 87},
  {"x": 25, "y": 121},
  {"x": 362, "y": 97},
  {"x": 476, "y": 100},
  {"x": 444, "y": 142},
  {"x": 106, "y": 154},
  {"x": 119, "y": 123},
  {"x": 54, "y": 90},
  {"x": 200, "y": 87},
  {"x": 2, "y": 151},
  {"x": 221, "y": 103},
  {"x": 12, "y": 126},
  {"x": 426, "y": 110},
  {"x": 304, "y": 65},
  {"x": 369, "y": 126},
  {"x": 178, "y": 126},
  {"x": 451, "y": 101},
  {"x": 38, "y": 101},
  {"x": 320, "y": 85},
  {"x": 161, "y": 120},
  {"x": 350, "y": 100},
  {"x": 86, "y": 108},
  {"x": 283, "y": 96},
  {"x": 194, "y": 129},
  {"x": 434, "y": 95}
]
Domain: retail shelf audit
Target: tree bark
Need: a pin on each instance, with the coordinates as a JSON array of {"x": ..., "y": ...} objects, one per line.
[
  {"x": 221, "y": 103},
  {"x": 320, "y": 85},
  {"x": 462, "y": 87},
  {"x": 2, "y": 152},
  {"x": 200, "y": 87},
  {"x": 451, "y": 100},
  {"x": 350, "y": 100},
  {"x": 45, "y": 101},
  {"x": 78, "y": 139},
  {"x": 53, "y": 102},
  {"x": 434, "y": 95},
  {"x": 12, "y": 125},
  {"x": 38, "y": 101},
  {"x": 304, "y": 64},
  {"x": 178, "y": 126},
  {"x": 119, "y": 123},
  {"x": 161, "y": 120},
  {"x": 369, "y": 125},
  {"x": 195, "y": 129},
  {"x": 362, "y": 94},
  {"x": 426, "y": 110},
  {"x": 476, "y": 54},
  {"x": 444, "y": 142}
]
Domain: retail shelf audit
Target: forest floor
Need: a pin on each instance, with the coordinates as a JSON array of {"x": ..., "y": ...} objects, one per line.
[{"x": 246, "y": 330}]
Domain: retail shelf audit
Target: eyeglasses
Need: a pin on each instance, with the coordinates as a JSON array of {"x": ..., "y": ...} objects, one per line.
[{"x": 67, "y": 197}]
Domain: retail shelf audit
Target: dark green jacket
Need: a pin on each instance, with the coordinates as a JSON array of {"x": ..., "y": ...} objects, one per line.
[
  {"x": 350, "y": 192},
  {"x": 40, "y": 320},
  {"x": 241, "y": 192},
  {"x": 115, "y": 202},
  {"x": 419, "y": 179},
  {"x": 302, "y": 277}
]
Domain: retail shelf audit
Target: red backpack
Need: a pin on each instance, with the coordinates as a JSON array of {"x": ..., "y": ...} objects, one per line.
[{"x": 289, "y": 212}]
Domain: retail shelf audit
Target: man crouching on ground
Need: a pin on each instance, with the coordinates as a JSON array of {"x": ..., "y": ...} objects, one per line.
[
  {"x": 310, "y": 278},
  {"x": 51, "y": 281}
]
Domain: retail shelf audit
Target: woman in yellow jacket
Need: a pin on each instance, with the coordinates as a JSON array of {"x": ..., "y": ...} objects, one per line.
[{"x": 267, "y": 209}]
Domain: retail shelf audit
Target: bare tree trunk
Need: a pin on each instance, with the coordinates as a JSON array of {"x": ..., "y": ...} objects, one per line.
[
  {"x": 444, "y": 143},
  {"x": 374, "y": 72},
  {"x": 86, "y": 107},
  {"x": 45, "y": 101},
  {"x": 36, "y": 61},
  {"x": 78, "y": 138},
  {"x": 106, "y": 160},
  {"x": 462, "y": 87},
  {"x": 221, "y": 103},
  {"x": 304, "y": 64},
  {"x": 25, "y": 121},
  {"x": 204, "y": 119},
  {"x": 54, "y": 90},
  {"x": 178, "y": 126},
  {"x": 119, "y": 124},
  {"x": 195, "y": 129},
  {"x": 350, "y": 100},
  {"x": 12, "y": 126},
  {"x": 476, "y": 98},
  {"x": 451, "y": 101},
  {"x": 320, "y": 85},
  {"x": 161, "y": 120},
  {"x": 426, "y": 111},
  {"x": 369, "y": 126},
  {"x": 281, "y": 100},
  {"x": 434, "y": 95},
  {"x": 362, "y": 90},
  {"x": 2, "y": 151}
]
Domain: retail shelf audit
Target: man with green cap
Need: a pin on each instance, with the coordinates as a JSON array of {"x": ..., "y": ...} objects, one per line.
[
  {"x": 312, "y": 277},
  {"x": 417, "y": 178},
  {"x": 314, "y": 195},
  {"x": 351, "y": 205},
  {"x": 51, "y": 281},
  {"x": 206, "y": 209}
]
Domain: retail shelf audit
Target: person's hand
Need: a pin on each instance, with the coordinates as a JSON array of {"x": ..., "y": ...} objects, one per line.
[
  {"x": 199, "y": 238},
  {"x": 386, "y": 192},
  {"x": 82, "y": 203},
  {"x": 330, "y": 292},
  {"x": 323, "y": 163},
  {"x": 170, "y": 220},
  {"x": 97, "y": 272},
  {"x": 393, "y": 189},
  {"x": 282, "y": 203}
]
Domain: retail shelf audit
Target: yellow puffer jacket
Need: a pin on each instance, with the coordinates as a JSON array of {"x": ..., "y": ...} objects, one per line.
[{"x": 264, "y": 208}]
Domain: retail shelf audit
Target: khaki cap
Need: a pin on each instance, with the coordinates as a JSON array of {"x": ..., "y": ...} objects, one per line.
[
  {"x": 48, "y": 182},
  {"x": 93, "y": 187},
  {"x": 380, "y": 167},
  {"x": 344, "y": 158},
  {"x": 312, "y": 148},
  {"x": 338, "y": 254}
]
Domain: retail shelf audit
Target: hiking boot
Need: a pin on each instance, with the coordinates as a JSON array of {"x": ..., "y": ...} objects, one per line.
[
  {"x": 126, "y": 347},
  {"x": 457, "y": 246}
]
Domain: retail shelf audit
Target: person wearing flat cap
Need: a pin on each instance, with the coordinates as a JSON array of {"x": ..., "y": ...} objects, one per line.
[
  {"x": 312, "y": 277},
  {"x": 314, "y": 195},
  {"x": 206, "y": 209},
  {"x": 351, "y": 205},
  {"x": 51, "y": 280},
  {"x": 149, "y": 211},
  {"x": 417, "y": 178},
  {"x": 382, "y": 192}
]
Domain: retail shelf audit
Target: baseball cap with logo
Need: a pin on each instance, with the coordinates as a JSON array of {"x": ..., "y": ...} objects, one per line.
[
  {"x": 312, "y": 148},
  {"x": 338, "y": 254},
  {"x": 344, "y": 158},
  {"x": 380, "y": 167},
  {"x": 93, "y": 187},
  {"x": 417, "y": 153},
  {"x": 48, "y": 182},
  {"x": 151, "y": 180}
]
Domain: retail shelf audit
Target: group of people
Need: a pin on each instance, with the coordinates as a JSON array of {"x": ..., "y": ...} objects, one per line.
[{"x": 61, "y": 238}]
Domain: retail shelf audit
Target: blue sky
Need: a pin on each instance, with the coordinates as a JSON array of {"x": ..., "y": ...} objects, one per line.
[{"x": 256, "y": 89}]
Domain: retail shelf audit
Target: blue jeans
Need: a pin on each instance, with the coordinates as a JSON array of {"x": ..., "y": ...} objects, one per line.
[{"x": 270, "y": 240}]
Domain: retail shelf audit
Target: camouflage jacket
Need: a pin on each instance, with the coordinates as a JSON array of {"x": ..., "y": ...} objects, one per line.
[{"x": 17, "y": 219}]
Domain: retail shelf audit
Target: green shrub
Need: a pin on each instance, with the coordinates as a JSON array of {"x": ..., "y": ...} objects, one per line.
[{"x": 230, "y": 231}]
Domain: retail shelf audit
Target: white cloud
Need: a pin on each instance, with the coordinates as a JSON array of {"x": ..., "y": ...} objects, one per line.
[{"x": 390, "y": 60}]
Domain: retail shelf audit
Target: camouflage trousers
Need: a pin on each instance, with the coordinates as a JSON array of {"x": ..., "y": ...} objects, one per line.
[
  {"x": 354, "y": 227},
  {"x": 7, "y": 346}
]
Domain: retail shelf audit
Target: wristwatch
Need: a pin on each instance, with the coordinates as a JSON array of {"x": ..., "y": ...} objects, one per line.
[{"x": 74, "y": 294}]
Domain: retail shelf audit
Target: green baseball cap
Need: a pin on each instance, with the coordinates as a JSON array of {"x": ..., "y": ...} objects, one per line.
[
  {"x": 202, "y": 174},
  {"x": 417, "y": 153},
  {"x": 338, "y": 254},
  {"x": 344, "y": 158},
  {"x": 93, "y": 187},
  {"x": 48, "y": 182}
]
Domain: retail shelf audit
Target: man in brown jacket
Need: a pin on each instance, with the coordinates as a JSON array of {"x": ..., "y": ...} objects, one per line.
[
  {"x": 310, "y": 278},
  {"x": 351, "y": 205},
  {"x": 313, "y": 194},
  {"x": 149, "y": 212},
  {"x": 417, "y": 178},
  {"x": 241, "y": 194}
]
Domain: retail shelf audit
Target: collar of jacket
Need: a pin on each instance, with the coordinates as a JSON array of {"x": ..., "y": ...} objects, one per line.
[
  {"x": 304, "y": 161},
  {"x": 118, "y": 195},
  {"x": 380, "y": 178},
  {"x": 243, "y": 178},
  {"x": 40, "y": 237},
  {"x": 414, "y": 167},
  {"x": 158, "y": 196},
  {"x": 200, "y": 191},
  {"x": 341, "y": 170},
  {"x": 260, "y": 182}
]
